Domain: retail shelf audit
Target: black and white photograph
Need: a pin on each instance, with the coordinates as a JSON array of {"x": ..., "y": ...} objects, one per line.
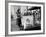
[{"x": 25, "y": 18}]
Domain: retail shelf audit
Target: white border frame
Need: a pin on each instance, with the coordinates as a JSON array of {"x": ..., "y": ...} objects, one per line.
[{"x": 24, "y": 32}]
